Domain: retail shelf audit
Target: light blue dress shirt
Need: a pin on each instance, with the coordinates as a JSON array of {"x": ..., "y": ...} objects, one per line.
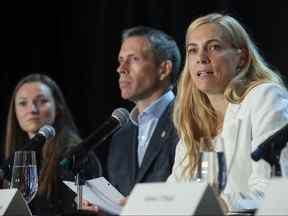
[{"x": 147, "y": 121}]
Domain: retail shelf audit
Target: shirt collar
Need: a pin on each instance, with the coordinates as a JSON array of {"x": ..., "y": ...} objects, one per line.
[{"x": 156, "y": 108}]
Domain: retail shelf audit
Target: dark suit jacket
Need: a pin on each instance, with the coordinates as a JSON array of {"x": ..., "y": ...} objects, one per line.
[{"x": 122, "y": 164}]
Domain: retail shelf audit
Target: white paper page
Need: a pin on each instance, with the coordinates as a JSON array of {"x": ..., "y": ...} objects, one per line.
[
  {"x": 105, "y": 189},
  {"x": 101, "y": 194}
]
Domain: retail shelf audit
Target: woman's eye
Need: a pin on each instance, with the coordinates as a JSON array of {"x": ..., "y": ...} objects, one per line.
[
  {"x": 214, "y": 47},
  {"x": 22, "y": 103},
  {"x": 43, "y": 101},
  {"x": 191, "y": 51}
]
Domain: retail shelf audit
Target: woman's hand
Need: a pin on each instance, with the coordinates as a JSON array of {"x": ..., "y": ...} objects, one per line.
[
  {"x": 221, "y": 201},
  {"x": 223, "y": 205}
]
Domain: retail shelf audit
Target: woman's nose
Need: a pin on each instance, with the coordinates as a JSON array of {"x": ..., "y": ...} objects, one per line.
[
  {"x": 202, "y": 57},
  {"x": 34, "y": 108}
]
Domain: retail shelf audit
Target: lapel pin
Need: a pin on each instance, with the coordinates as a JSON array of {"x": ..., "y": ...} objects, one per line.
[{"x": 163, "y": 134}]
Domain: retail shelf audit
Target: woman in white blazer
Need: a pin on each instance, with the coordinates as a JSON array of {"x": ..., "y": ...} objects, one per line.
[{"x": 227, "y": 90}]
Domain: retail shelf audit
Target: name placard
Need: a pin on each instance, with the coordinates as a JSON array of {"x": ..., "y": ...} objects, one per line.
[
  {"x": 275, "y": 201},
  {"x": 195, "y": 198},
  {"x": 12, "y": 203}
]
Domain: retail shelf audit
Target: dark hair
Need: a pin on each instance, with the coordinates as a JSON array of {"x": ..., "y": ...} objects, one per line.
[
  {"x": 66, "y": 132},
  {"x": 164, "y": 47}
]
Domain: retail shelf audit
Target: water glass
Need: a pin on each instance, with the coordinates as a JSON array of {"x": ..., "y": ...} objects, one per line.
[
  {"x": 212, "y": 163},
  {"x": 24, "y": 174}
]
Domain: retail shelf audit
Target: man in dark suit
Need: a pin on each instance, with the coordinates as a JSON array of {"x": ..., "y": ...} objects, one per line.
[{"x": 143, "y": 149}]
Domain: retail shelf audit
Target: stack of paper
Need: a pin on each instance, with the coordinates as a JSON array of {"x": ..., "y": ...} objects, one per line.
[{"x": 100, "y": 193}]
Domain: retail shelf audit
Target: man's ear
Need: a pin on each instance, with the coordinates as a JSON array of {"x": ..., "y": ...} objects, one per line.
[{"x": 165, "y": 69}]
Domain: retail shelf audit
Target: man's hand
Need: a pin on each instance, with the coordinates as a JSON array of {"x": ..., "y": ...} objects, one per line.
[
  {"x": 87, "y": 206},
  {"x": 90, "y": 207},
  {"x": 123, "y": 201}
]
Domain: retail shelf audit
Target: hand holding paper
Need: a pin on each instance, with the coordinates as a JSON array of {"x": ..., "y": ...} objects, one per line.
[{"x": 101, "y": 193}]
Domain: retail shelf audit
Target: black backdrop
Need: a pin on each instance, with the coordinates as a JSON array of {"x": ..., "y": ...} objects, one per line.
[{"x": 77, "y": 42}]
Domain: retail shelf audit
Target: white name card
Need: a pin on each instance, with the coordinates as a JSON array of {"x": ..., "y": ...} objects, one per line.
[
  {"x": 195, "y": 198},
  {"x": 275, "y": 201},
  {"x": 12, "y": 203}
]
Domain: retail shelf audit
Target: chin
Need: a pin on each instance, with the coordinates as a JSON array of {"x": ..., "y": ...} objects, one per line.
[
  {"x": 208, "y": 89},
  {"x": 32, "y": 129},
  {"x": 205, "y": 90},
  {"x": 126, "y": 96}
]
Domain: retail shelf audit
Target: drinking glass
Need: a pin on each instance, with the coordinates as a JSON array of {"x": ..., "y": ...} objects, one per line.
[
  {"x": 24, "y": 174},
  {"x": 211, "y": 166}
]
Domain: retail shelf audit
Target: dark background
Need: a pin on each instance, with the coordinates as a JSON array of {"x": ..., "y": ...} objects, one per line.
[{"x": 77, "y": 43}]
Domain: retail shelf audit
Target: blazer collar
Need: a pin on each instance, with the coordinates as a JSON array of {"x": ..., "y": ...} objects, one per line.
[
  {"x": 157, "y": 141},
  {"x": 131, "y": 147},
  {"x": 230, "y": 133}
]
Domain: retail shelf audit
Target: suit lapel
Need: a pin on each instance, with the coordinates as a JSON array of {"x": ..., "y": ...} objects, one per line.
[
  {"x": 230, "y": 133},
  {"x": 156, "y": 143},
  {"x": 132, "y": 151}
]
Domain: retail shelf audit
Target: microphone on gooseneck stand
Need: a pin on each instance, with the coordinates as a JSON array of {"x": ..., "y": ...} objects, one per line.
[
  {"x": 45, "y": 133},
  {"x": 273, "y": 144},
  {"x": 271, "y": 149},
  {"x": 73, "y": 158}
]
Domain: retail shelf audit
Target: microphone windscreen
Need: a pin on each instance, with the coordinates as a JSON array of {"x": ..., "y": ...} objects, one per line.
[
  {"x": 122, "y": 115},
  {"x": 48, "y": 131}
]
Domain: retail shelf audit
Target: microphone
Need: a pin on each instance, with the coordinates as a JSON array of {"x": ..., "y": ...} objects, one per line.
[
  {"x": 271, "y": 148},
  {"x": 44, "y": 133},
  {"x": 119, "y": 117}
]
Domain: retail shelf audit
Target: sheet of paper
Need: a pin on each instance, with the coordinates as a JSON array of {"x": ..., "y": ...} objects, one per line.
[{"x": 100, "y": 193}]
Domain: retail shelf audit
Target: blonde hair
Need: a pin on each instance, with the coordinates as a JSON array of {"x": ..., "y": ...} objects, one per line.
[{"x": 194, "y": 116}]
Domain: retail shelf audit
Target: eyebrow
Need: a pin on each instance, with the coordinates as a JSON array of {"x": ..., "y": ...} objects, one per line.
[
  {"x": 129, "y": 55},
  {"x": 37, "y": 96},
  {"x": 207, "y": 42}
]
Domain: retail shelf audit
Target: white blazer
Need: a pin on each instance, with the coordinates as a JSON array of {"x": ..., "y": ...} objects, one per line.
[{"x": 263, "y": 111}]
